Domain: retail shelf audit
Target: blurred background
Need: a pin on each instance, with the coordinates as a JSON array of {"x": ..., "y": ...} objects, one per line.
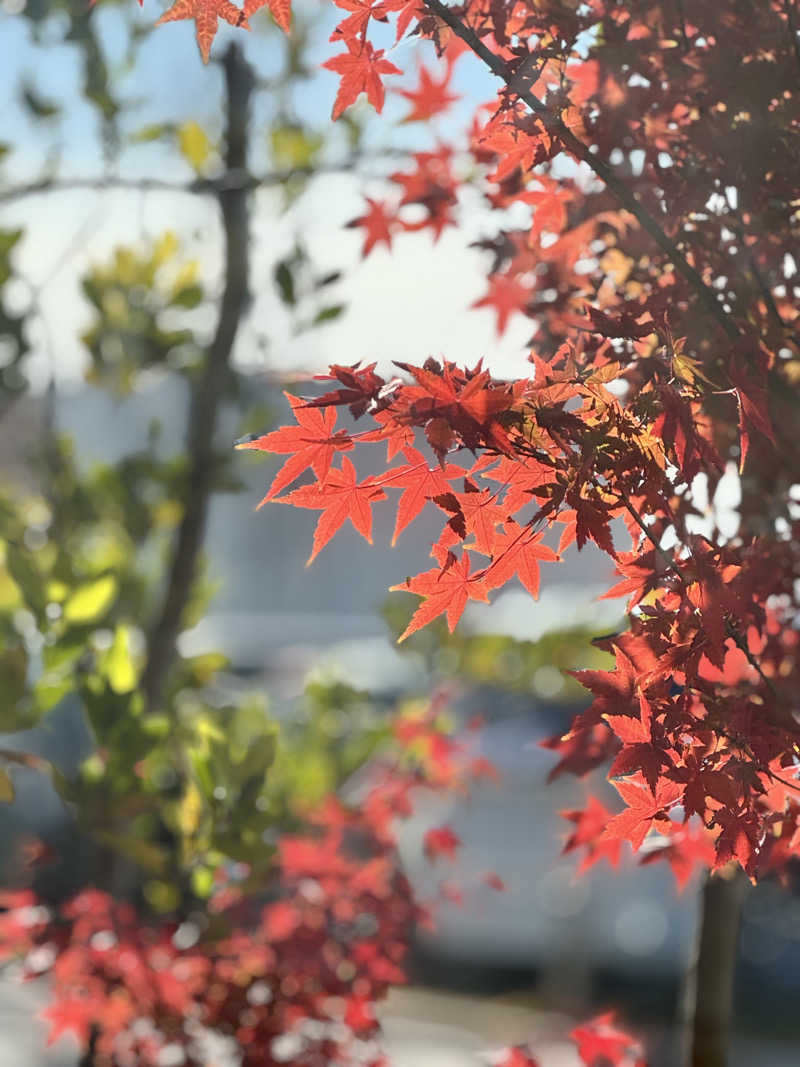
[{"x": 174, "y": 251}]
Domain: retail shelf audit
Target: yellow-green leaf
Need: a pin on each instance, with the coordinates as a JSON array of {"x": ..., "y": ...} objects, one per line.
[
  {"x": 165, "y": 247},
  {"x": 6, "y": 787},
  {"x": 293, "y": 147},
  {"x": 162, "y": 896},
  {"x": 119, "y": 665},
  {"x": 194, "y": 144},
  {"x": 90, "y": 601},
  {"x": 202, "y": 881},
  {"x": 189, "y": 810}
]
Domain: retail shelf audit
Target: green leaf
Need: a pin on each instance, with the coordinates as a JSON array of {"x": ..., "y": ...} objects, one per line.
[
  {"x": 162, "y": 896},
  {"x": 39, "y": 106},
  {"x": 119, "y": 666},
  {"x": 328, "y": 313},
  {"x": 293, "y": 148},
  {"x": 194, "y": 144},
  {"x": 284, "y": 279},
  {"x": 6, "y": 787},
  {"x": 152, "y": 132},
  {"x": 27, "y": 577},
  {"x": 202, "y": 882},
  {"x": 90, "y": 601}
]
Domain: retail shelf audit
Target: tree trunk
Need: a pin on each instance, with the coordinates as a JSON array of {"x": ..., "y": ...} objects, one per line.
[
  {"x": 708, "y": 994},
  {"x": 209, "y": 391}
]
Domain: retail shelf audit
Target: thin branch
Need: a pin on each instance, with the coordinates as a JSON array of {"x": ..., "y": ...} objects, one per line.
[
  {"x": 237, "y": 179},
  {"x": 554, "y": 125},
  {"x": 61, "y": 185},
  {"x": 210, "y": 389}
]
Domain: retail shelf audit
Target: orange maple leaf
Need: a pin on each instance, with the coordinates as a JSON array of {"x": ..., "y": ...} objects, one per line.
[
  {"x": 360, "y": 68},
  {"x": 517, "y": 551},
  {"x": 281, "y": 11},
  {"x": 312, "y": 444},
  {"x": 341, "y": 497},
  {"x": 446, "y": 590},
  {"x": 634, "y": 823},
  {"x": 206, "y": 14}
]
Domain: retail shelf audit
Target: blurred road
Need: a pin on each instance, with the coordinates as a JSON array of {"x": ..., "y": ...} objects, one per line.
[{"x": 423, "y": 1028}]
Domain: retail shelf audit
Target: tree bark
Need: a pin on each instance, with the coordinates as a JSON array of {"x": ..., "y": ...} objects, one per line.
[
  {"x": 233, "y": 196},
  {"x": 708, "y": 993}
]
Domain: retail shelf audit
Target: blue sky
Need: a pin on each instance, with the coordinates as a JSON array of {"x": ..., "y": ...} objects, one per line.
[{"x": 405, "y": 304}]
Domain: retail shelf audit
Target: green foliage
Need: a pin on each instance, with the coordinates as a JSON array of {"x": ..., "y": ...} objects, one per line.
[
  {"x": 13, "y": 345},
  {"x": 210, "y": 775},
  {"x": 132, "y": 296},
  {"x": 503, "y": 662}
]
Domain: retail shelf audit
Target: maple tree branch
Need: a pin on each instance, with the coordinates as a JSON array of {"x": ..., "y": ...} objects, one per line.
[
  {"x": 210, "y": 389},
  {"x": 239, "y": 179},
  {"x": 573, "y": 144}
]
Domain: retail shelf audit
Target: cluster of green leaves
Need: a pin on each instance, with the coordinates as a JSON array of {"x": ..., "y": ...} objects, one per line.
[
  {"x": 211, "y": 776},
  {"x": 538, "y": 667},
  {"x": 131, "y": 295}
]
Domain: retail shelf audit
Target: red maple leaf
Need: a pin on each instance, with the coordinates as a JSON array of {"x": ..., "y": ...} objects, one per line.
[
  {"x": 206, "y": 14},
  {"x": 359, "y": 1015},
  {"x": 493, "y": 881},
  {"x": 441, "y": 841},
  {"x": 311, "y": 443},
  {"x": 420, "y": 483},
  {"x": 753, "y": 403},
  {"x": 686, "y": 849},
  {"x": 516, "y": 147},
  {"x": 517, "y": 551},
  {"x": 590, "y": 822},
  {"x": 355, "y": 26},
  {"x": 446, "y": 591},
  {"x": 601, "y": 1044},
  {"x": 507, "y": 295},
  {"x": 378, "y": 224},
  {"x": 614, "y": 689},
  {"x": 518, "y": 1056},
  {"x": 360, "y": 68},
  {"x": 406, "y": 11},
  {"x": 643, "y": 810},
  {"x": 341, "y": 497},
  {"x": 281, "y": 11},
  {"x": 430, "y": 98},
  {"x": 71, "y": 1014}
]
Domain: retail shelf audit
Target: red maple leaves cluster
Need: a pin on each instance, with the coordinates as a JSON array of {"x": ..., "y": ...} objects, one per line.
[
  {"x": 694, "y": 716},
  {"x": 293, "y": 979},
  {"x": 655, "y": 262},
  {"x": 640, "y": 165}
]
